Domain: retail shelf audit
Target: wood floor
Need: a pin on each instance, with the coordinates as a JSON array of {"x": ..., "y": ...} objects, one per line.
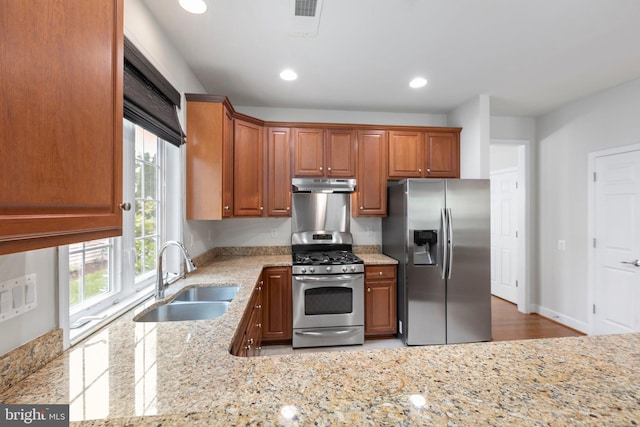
[{"x": 507, "y": 323}]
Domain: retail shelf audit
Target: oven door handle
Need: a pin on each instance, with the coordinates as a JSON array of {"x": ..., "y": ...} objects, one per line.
[
  {"x": 341, "y": 278},
  {"x": 329, "y": 332}
]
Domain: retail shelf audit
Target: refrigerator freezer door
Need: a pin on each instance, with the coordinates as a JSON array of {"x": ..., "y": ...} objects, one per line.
[
  {"x": 425, "y": 288},
  {"x": 469, "y": 288}
]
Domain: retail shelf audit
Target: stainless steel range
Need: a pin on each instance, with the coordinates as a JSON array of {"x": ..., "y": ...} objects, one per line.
[{"x": 328, "y": 279}]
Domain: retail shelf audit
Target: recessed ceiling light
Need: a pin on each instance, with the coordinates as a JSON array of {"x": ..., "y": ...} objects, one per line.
[
  {"x": 288, "y": 75},
  {"x": 193, "y": 6},
  {"x": 418, "y": 82}
]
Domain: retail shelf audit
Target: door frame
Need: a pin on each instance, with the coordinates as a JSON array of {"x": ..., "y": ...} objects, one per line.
[
  {"x": 591, "y": 223},
  {"x": 524, "y": 206}
]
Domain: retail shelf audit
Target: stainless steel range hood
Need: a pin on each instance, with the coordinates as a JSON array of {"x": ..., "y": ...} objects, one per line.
[{"x": 323, "y": 185}]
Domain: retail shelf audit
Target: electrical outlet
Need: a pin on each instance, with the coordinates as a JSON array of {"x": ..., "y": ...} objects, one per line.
[
  {"x": 274, "y": 232},
  {"x": 562, "y": 245},
  {"x": 370, "y": 231}
]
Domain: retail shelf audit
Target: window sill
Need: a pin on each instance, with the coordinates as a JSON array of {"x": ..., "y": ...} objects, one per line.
[{"x": 109, "y": 315}]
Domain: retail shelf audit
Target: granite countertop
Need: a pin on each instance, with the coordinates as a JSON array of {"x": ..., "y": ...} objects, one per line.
[{"x": 181, "y": 373}]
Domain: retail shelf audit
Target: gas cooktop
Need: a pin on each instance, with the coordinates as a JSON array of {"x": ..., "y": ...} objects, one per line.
[
  {"x": 326, "y": 258},
  {"x": 327, "y": 262}
]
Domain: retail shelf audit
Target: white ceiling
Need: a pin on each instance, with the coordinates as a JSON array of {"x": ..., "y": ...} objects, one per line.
[{"x": 529, "y": 56}]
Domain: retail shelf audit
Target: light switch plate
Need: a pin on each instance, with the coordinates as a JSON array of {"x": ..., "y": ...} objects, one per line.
[{"x": 18, "y": 296}]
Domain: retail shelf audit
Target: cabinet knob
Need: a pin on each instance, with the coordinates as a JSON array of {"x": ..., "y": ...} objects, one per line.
[
  {"x": 261, "y": 208},
  {"x": 420, "y": 170},
  {"x": 258, "y": 307},
  {"x": 368, "y": 289},
  {"x": 428, "y": 170},
  {"x": 380, "y": 273},
  {"x": 226, "y": 208},
  {"x": 329, "y": 169},
  {"x": 287, "y": 207},
  {"x": 126, "y": 206},
  {"x": 250, "y": 342},
  {"x": 258, "y": 325},
  {"x": 321, "y": 168},
  {"x": 361, "y": 207}
]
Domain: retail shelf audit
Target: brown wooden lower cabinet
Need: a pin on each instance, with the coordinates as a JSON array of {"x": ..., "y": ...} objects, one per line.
[
  {"x": 277, "y": 319},
  {"x": 380, "y": 285},
  {"x": 248, "y": 339}
]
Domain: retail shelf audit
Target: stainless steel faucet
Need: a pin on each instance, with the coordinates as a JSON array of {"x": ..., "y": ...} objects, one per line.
[{"x": 160, "y": 286}]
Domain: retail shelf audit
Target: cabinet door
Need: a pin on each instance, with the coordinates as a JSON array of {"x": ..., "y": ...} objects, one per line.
[
  {"x": 406, "y": 154},
  {"x": 371, "y": 188},
  {"x": 308, "y": 152},
  {"x": 380, "y": 300},
  {"x": 442, "y": 155},
  {"x": 380, "y": 309},
  {"x": 277, "y": 316},
  {"x": 340, "y": 153},
  {"x": 61, "y": 119},
  {"x": 247, "y": 169},
  {"x": 227, "y": 164},
  {"x": 279, "y": 172}
]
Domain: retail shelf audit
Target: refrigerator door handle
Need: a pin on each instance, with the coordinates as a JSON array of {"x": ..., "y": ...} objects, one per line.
[
  {"x": 445, "y": 239},
  {"x": 450, "y": 241}
]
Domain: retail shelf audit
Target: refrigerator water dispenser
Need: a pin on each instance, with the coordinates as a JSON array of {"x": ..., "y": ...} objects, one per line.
[{"x": 425, "y": 247}]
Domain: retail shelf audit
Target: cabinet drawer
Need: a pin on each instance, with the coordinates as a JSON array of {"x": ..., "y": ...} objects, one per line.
[{"x": 378, "y": 272}]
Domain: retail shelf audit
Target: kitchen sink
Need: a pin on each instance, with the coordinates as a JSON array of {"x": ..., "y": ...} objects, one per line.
[
  {"x": 208, "y": 293},
  {"x": 185, "y": 311}
]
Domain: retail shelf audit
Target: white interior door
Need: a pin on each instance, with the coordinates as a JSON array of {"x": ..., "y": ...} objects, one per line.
[
  {"x": 617, "y": 245},
  {"x": 504, "y": 234}
]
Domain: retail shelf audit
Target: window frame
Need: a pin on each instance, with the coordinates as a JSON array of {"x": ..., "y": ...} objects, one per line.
[{"x": 127, "y": 289}]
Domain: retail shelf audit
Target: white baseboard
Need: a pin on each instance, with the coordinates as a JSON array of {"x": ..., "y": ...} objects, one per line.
[{"x": 561, "y": 318}]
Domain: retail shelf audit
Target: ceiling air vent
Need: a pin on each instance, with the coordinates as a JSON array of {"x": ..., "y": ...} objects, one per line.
[
  {"x": 305, "y": 17},
  {"x": 306, "y": 7}
]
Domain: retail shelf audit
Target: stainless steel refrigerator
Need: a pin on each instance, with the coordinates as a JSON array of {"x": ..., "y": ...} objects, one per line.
[{"x": 439, "y": 231}]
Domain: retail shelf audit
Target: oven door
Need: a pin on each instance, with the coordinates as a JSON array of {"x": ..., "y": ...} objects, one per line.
[{"x": 328, "y": 310}]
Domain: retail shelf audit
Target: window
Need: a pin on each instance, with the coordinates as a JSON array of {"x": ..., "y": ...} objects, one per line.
[
  {"x": 147, "y": 202},
  {"x": 90, "y": 272},
  {"x": 104, "y": 273},
  {"x": 108, "y": 276}
]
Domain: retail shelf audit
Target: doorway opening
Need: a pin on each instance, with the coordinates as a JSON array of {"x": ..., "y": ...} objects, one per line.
[{"x": 511, "y": 194}]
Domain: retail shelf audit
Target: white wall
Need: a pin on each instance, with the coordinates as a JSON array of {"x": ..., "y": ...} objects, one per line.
[
  {"x": 566, "y": 137},
  {"x": 474, "y": 117},
  {"x": 144, "y": 32},
  {"x": 508, "y": 127}
]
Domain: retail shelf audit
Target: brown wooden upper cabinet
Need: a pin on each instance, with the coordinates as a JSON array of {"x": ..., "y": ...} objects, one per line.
[
  {"x": 209, "y": 158},
  {"x": 324, "y": 153},
  {"x": 442, "y": 154},
  {"x": 431, "y": 154},
  {"x": 278, "y": 171},
  {"x": 248, "y": 169},
  {"x": 61, "y": 120},
  {"x": 370, "y": 198}
]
